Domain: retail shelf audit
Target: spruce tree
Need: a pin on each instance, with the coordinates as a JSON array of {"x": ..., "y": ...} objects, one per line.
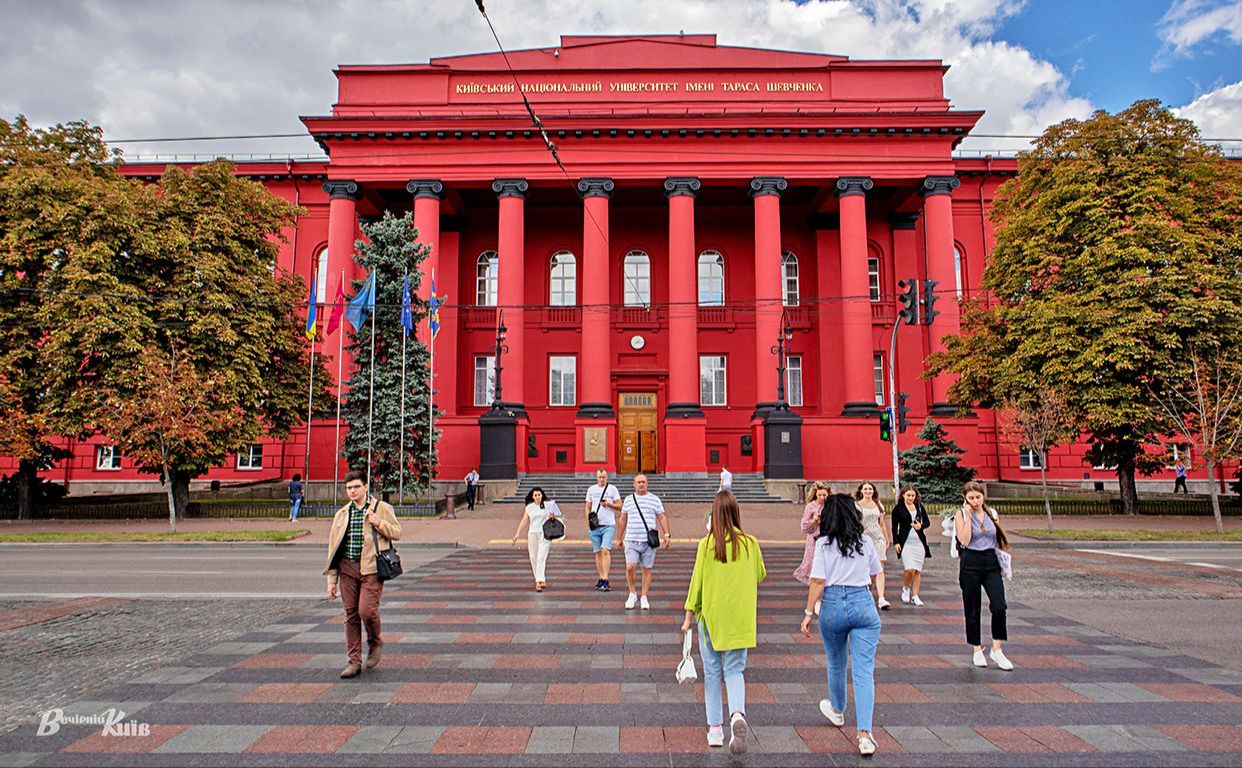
[
  {"x": 391, "y": 249},
  {"x": 935, "y": 467}
]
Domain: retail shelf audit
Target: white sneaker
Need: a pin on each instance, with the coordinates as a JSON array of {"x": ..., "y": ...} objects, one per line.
[
  {"x": 905, "y": 595},
  {"x": 737, "y": 742},
  {"x": 715, "y": 736},
  {"x": 866, "y": 745},
  {"x": 642, "y": 603},
  {"x": 979, "y": 660},
  {"x": 915, "y": 599},
  {"x": 883, "y": 604},
  {"x": 631, "y": 601},
  {"x": 998, "y": 656},
  {"x": 834, "y": 717}
]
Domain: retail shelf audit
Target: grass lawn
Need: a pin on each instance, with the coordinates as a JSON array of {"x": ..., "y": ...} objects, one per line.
[
  {"x": 70, "y": 536},
  {"x": 1141, "y": 535}
]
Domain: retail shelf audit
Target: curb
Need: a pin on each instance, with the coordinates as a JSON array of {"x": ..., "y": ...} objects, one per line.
[
  {"x": 1111, "y": 544},
  {"x": 222, "y": 544}
]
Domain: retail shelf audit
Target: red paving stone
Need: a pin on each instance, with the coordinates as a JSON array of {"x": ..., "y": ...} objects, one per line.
[
  {"x": 583, "y": 693},
  {"x": 1038, "y": 693},
  {"x": 1037, "y": 661},
  {"x": 304, "y": 739},
  {"x": 450, "y": 618},
  {"x": 642, "y": 740},
  {"x": 1206, "y": 738},
  {"x": 273, "y": 661},
  {"x": 653, "y": 661},
  {"x": 485, "y": 638},
  {"x": 1194, "y": 692},
  {"x": 475, "y": 740},
  {"x": 433, "y": 693},
  {"x": 685, "y": 739},
  {"x": 285, "y": 693},
  {"x": 37, "y": 614},
  {"x": 520, "y": 661},
  {"x": 406, "y": 660},
  {"x": 899, "y": 693},
  {"x": 1057, "y": 739},
  {"x": 827, "y": 739},
  {"x": 97, "y": 742},
  {"x": 1008, "y": 739}
]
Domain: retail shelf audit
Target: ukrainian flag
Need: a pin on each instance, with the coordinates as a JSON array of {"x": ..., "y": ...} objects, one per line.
[{"x": 311, "y": 312}]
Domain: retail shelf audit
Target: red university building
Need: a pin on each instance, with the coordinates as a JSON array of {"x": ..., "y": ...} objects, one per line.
[{"x": 713, "y": 196}]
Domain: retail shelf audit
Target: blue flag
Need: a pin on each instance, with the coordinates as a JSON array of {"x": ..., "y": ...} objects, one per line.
[
  {"x": 433, "y": 316},
  {"x": 407, "y": 316},
  {"x": 311, "y": 313},
  {"x": 362, "y": 304}
]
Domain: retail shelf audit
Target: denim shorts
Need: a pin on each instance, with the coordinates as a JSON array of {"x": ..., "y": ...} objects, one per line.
[{"x": 601, "y": 537}]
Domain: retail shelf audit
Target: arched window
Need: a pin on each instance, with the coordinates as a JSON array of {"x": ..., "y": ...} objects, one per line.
[
  {"x": 563, "y": 287},
  {"x": 321, "y": 277},
  {"x": 636, "y": 279},
  {"x": 711, "y": 279},
  {"x": 789, "y": 278},
  {"x": 958, "y": 269},
  {"x": 487, "y": 280}
]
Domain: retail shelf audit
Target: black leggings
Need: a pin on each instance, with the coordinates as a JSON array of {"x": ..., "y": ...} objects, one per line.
[{"x": 980, "y": 568}]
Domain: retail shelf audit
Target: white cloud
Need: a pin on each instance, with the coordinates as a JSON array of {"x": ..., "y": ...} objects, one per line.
[
  {"x": 1218, "y": 114},
  {"x": 153, "y": 68},
  {"x": 1189, "y": 23}
]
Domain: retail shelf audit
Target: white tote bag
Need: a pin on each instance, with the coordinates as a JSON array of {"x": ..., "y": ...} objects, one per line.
[{"x": 686, "y": 673}]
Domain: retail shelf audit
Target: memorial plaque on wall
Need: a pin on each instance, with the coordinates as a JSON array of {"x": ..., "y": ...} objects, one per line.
[{"x": 595, "y": 445}]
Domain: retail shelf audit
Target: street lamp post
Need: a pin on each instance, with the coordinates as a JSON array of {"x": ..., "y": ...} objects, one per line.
[
  {"x": 782, "y": 428},
  {"x": 781, "y": 350},
  {"x": 501, "y": 350},
  {"x": 498, "y": 426}
]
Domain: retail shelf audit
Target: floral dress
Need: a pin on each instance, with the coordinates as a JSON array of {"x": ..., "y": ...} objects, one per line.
[
  {"x": 810, "y": 526},
  {"x": 872, "y": 527}
]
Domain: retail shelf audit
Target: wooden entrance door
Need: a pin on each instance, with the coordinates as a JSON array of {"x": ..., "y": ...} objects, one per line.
[{"x": 636, "y": 430}]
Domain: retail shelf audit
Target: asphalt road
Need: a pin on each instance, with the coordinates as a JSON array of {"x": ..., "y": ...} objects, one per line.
[
  {"x": 172, "y": 570},
  {"x": 1227, "y": 558}
]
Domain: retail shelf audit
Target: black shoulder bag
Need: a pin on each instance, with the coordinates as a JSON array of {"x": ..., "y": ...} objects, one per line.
[
  {"x": 653, "y": 537},
  {"x": 593, "y": 516},
  {"x": 387, "y": 562}
]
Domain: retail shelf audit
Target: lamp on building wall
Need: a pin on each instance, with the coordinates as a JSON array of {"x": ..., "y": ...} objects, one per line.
[
  {"x": 501, "y": 349},
  {"x": 781, "y": 350},
  {"x": 782, "y": 428}
]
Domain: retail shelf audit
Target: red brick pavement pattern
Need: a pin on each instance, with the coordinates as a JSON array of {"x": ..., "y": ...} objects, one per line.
[
  {"x": 485, "y": 638},
  {"x": 583, "y": 693},
  {"x": 1190, "y": 692},
  {"x": 656, "y": 740},
  {"x": 29, "y": 615},
  {"x": 1037, "y": 661},
  {"x": 392, "y": 660},
  {"x": 285, "y": 693},
  {"x": 475, "y": 740},
  {"x": 829, "y": 739},
  {"x": 522, "y": 661},
  {"x": 1008, "y": 739},
  {"x": 1038, "y": 693},
  {"x": 97, "y": 742},
  {"x": 1206, "y": 738},
  {"x": 304, "y": 739},
  {"x": 273, "y": 661},
  {"x": 1057, "y": 739},
  {"x": 433, "y": 693},
  {"x": 900, "y": 693}
]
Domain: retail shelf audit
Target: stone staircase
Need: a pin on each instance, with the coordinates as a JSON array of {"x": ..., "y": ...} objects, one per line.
[{"x": 570, "y": 488}]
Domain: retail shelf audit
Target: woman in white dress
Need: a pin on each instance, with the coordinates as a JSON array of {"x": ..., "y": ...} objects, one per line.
[
  {"x": 909, "y": 542},
  {"x": 868, "y": 502},
  {"x": 535, "y": 515}
]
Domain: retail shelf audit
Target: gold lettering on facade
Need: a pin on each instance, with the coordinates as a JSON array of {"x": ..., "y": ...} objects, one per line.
[
  {"x": 700, "y": 87},
  {"x": 804, "y": 87},
  {"x": 642, "y": 87},
  {"x": 746, "y": 87},
  {"x": 732, "y": 86}
]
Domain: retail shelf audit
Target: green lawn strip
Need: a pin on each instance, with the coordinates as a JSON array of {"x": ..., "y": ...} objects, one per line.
[
  {"x": 73, "y": 536},
  {"x": 1069, "y": 534}
]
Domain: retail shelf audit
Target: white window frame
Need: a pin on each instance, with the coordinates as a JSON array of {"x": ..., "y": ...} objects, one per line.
[
  {"x": 107, "y": 458},
  {"x": 713, "y": 380},
  {"x": 793, "y": 395},
  {"x": 1028, "y": 458},
  {"x": 710, "y": 280},
  {"x": 321, "y": 277},
  {"x": 484, "y": 365},
  {"x": 563, "y": 279},
  {"x": 957, "y": 269},
  {"x": 877, "y": 370},
  {"x": 250, "y": 458},
  {"x": 636, "y": 282},
  {"x": 790, "y": 281},
  {"x": 873, "y": 278},
  {"x": 487, "y": 279},
  {"x": 562, "y": 370}
]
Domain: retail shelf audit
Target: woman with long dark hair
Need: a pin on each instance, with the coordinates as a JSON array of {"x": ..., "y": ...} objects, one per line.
[
  {"x": 535, "y": 515},
  {"x": 845, "y": 560},
  {"x": 981, "y": 537},
  {"x": 909, "y": 542},
  {"x": 723, "y": 595},
  {"x": 867, "y": 498}
]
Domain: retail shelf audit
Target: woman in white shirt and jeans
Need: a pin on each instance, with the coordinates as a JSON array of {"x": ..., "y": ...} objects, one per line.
[{"x": 845, "y": 560}]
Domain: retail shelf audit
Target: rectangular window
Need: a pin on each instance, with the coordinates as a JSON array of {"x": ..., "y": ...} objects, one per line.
[
  {"x": 1028, "y": 459},
  {"x": 107, "y": 457},
  {"x": 562, "y": 372},
  {"x": 250, "y": 457},
  {"x": 712, "y": 380},
  {"x": 484, "y": 380},
  {"x": 877, "y": 365},
  {"x": 873, "y": 278},
  {"x": 793, "y": 380}
]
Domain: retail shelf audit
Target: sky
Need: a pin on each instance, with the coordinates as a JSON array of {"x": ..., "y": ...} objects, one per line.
[{"x": 154, "y": 68}]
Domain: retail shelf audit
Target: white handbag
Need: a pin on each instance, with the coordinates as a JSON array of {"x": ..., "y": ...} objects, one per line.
[{"x": 686, "y": 673}]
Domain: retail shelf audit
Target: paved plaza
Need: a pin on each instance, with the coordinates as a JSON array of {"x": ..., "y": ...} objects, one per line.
[{"x": 480, "y": 670}]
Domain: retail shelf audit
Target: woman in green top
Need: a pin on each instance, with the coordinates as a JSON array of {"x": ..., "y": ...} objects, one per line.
[{"x": 724, "y": 594}]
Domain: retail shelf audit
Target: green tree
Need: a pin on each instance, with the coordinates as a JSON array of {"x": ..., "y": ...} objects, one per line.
[
  {"x": 389, "y": 251},
  {"x": 1117, "y": 249},
  {"x": 59, "y": 198},
  {"x": 936, "y": 466},
  {"x": 195, "y": 274}
]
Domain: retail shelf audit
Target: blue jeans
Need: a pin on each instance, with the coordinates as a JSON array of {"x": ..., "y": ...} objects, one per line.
[
  {"x": 848, "y": 617},
  {"x": 718, "y": 665},
  {"x": 601, "y": 537},
  {"x": 296, "y": 505}
]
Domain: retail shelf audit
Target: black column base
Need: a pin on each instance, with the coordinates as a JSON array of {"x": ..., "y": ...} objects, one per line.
[
  {"x": 596, "y": 411},
  {"x": 782, "y": 445},
  {"x": 683, "y": 411},
  {"x": 862, "y": 410},
  {"x": 948, "y": 411},
  {"x": 497, "y": 444},
  {"x": 763, "y": 409}
]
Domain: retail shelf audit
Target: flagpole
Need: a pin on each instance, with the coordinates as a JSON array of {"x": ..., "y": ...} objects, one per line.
[
  {"x": 405, "y": 334},
  {"x": 371, "y": 396},
  {"x": 340, "y": 363},
  {"x": 310, "y": 401}
]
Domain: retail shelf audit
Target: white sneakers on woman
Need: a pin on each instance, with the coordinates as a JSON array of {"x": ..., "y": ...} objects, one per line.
[
  {"x": 715, "y": 736},
  {"x": 737, "y": 742},
  {"x": 997, "y": 656},
  {"x": 834, "y": 717},
  {"x": 905, "y": 594},
  {"x": 866, "y": 745},
  {"x": 883, "y": 604},
  {"x": 915, "y": 599},
  {"x": 979, "y": 660}
]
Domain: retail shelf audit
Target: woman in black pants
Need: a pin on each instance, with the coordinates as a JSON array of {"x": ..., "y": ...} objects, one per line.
[{"x": 980, "y": 537}]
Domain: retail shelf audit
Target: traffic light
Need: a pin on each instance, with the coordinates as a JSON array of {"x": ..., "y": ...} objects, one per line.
[
  {"x": 886, "y": 424},
  {"x": 902, "y": 411},
  {"x": 929, "y": 301},
  {"x": 909, "y": 301}
]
